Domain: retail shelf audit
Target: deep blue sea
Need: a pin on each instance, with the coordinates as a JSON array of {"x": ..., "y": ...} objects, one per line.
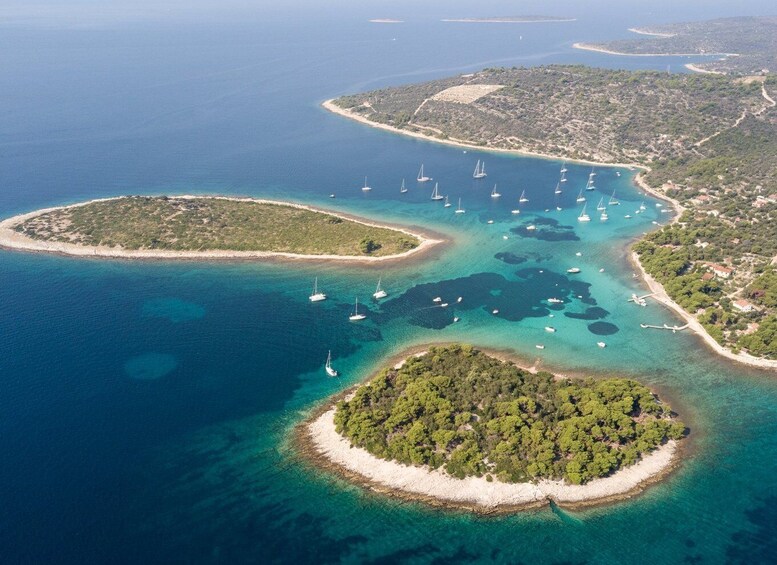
[{"x": 146, "y": 408}]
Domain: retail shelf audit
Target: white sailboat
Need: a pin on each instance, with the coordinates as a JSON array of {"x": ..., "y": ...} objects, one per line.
[
  {"x": 564, "y": 167},
  {"x": 642, "y": 207},
  {"x": 421, "y": 176},
  {"x": 355, "y": 317},
  {"x": 580, "y": 197},
  {"x": 436, "y": 192},
  {"x": 480, "y": 170},
  {"x": 613, "y": 201},
  {"x": 447, "y": 204},
  {"x": 460, "y": 210},
  {"x": 494, "y": 193},
  {"x": 563, "y": 176},
  {"x": 523, "y": 198},
  {"x": 604, "y": 217},
  {"x": 583, "y": 217},
  {"x": 316, "y": 296},
  {"x": 366, "y": 187},
  {"x": 402, "y": 189},
  {"x": 558, "y": 189},
  {"x": 590, "y": 184},
  {"x": 601, "y": 205},
  {"x": 379, "y": 292},
  {"x": 328, "y": 367}
]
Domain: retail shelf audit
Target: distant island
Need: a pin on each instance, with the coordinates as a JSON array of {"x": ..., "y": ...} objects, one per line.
[
  {"x": 511, "y": 20},
  {"x": 206, "y": 227},
  {"x": 748, "y": 45},
  {"x": 706, "y": 143},
  {"x": 457, "y": 427}
]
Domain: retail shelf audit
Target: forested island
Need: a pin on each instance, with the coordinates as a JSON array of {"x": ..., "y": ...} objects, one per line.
[
  {"x": 456, "y": 413},
  {"x": 707, "y": 142},
  {"x": 207, "y": 226},
  {"x": 744, "y": 45}
]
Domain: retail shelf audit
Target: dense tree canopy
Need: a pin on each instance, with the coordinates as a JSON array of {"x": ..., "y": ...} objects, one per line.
[{"x": 458, "y": 408}]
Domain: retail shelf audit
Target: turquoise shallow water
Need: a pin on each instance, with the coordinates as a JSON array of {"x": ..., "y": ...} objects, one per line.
[{"x": 146, "y": 409}]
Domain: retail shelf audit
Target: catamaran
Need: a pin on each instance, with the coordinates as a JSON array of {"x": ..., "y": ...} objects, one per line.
[
  {"x": 494, "y": 193},
  {"x": 355, "y": 317},
  {"x": 580, "y": 197},
  {"x": 329, "y": 369},
  {"x": 583, "y": 217},
  {"x": 523, "y": 198},
  {"x": 402, "y": 188},
  {"x": 601, "y": 205},
  {"x": 379, "y": 292},
  {"x": 613, "y": 201},
  {"x": 436, "y": 193},
  {"x": 460, "y": 210},
  {"x": 421, "y": 176},
  {"x": 366, "y": 187},
  {"x": 558, "y": 189},
  {"x": 447, "y": 204},
  {"x": 316, "y": 296},
  {"x": 480, "y": 170}
]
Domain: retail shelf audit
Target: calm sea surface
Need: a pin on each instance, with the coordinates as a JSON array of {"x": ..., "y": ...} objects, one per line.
[{"x": 146, "y": 409}]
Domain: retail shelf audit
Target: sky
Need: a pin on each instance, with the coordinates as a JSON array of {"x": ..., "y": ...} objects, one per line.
[{"x": 106, "y": 13}]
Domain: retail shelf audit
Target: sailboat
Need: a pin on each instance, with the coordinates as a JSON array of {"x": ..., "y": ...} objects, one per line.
[
  {"x": 436, "y": 193},
  {"x": 601, "y": 205},
  {"x": 604, "y": 217},
  {"x": 480, "y": 170},
  {"x": 580, "y": 197},
  {"x": 590, "y": 184},
  {"x": 460, "y": 210},
  {"x": 564, "y": 167},
  {"x": 329, "y": 369},
  {"x": 379, "y": 292},
  {"x": 366, "y": 187},
  {"x": 316, "y": 296},
  {"x": 355, "y": 317},
  {"x": 447, "y": 204},
  {"x": 523, "y": 198},
  {"x": 421, "y": 176},
  {"x": 583, "y": 217},
  {"x": 613, "y": 201},
  {"x": 402, "y": 188},
  {"x": 494, "y": 193},
  {"x": 558, "y": 189},
  {"x": 563, "y": 177},
  {"x": 642, "y": 207}
]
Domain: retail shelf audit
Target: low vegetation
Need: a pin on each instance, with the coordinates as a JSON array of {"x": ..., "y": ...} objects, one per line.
[
  {"x": 473, "y": 415},
  {"x": 752, "y": 39},
  {"x": 203, "y": 224}
]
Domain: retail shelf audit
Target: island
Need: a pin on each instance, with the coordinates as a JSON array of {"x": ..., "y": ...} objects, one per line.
[
  {"x": 456, "y": 427},
  {"x": 187, "y": 226},
  {"x": 705, "y": 143},
  {"x": 511, "y": 20},
  {"x": 743, "y": 45}
]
